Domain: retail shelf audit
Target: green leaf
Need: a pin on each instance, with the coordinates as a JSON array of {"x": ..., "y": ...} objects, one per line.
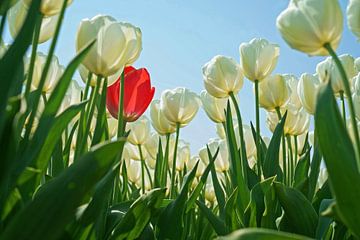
[
  {"x": 158, "y": 180},
  {"x": 324, "y": 222},
  {"x": 298, "y": 210},
  {"x": 301, "y": 173},
  {"x": 323, "y": 193},
  {"x": 218, "y": 224},
  {"x": 339, "y": 157},
  {"x": 170, "y": 221},
  {"x": 138, "y": 216},
  {"x": 261, "y": 234},
  {"x": 271, "y": 164},
  {"x": 314, "y": 169},
  {"x": 232, "y": 220}
]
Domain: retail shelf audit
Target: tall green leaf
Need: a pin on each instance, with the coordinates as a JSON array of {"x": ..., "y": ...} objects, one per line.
[{"x": 261, "y": 234}]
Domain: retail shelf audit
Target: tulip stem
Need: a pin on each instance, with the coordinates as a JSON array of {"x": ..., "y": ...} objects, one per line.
[
  {"x": 142, "y": 169},
  {"x": 296, "y": 149},
  {"x": 121, "y": 128},
  {"x": 165, "y": 165},
  {"x": 173, "y": 173},
  {"x": 257, "y": 115},
  {"x": 87, "y": 86},
  {"x": 348, "y": 94},
  {"x": 244, "y": 163},
  {"x": 343, "y": 106},
  {"x": 283, "y": 148},
  {"x": 35, "y": 44},
  {"x": 45, "y": 71},
  {"x": 291, "y": 160}
]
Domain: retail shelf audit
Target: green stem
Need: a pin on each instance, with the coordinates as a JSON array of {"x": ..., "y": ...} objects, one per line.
[
  {"x": 87, "y": 86},
  {"x": 257, "y": 115},
  {"x": 349, "y": 98},
  {"x": 283, "y": 148},
  {"x": 45, "y": 70},
  {"x": 342, "y": 98},
  {"x": 121, "y": 128},
  {"x": 296, "y": 148},
  {"x": 242, "y": 143},
  {"x": 291, "y": 160},
  {"x": 165, "y": 165},
  {"x": 35, "y": 44},
  {"x": 142, "y": 169},
  {"x": 173, "y": 172}
]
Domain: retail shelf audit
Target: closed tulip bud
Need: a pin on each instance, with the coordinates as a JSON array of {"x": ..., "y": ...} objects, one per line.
[
  {"x": 357, "y": 64},
  {"x": 191, "y": 164},
  {"x": 158, "y": 120},
  {"x": 327, "y": 69},
  {"x": 133, "y": 171},
  {"x": 139, "y": 131},
  {"x": 222, "y": 76},
  {"x": 297, "y": 121},
  {"x": 300, "y": 143},
  {"x": 214, "y": 107},
  {"x": 220, "y": 130},
  {"x": 84, "y": 74},
  {"x": 293, "y": 82},
  {"x": 49, "y": 7},
  {"x": 249, "y": 142},
  {"x": 306, "y": 25},
  {"x": 222, "y": 159},
  {"x": 307, "y": 89},
  {"x": 356, "y": 83},
  {"x": 112, "y": 126},
  {"x": 55, "y": 72},
  {"x": 353, "y": 17},
  {"x": 210, "y": 193},
  {"x": 273, "y": 92},
  {"x": 258, "y": 58},
  {"x": 16, "y": 17},
  {"x": 183, "y": 155},
  {"x": 133, "y": 151},
  {"x": 179, "y": 105},
  {"x": 72, "y": 96},
  {"x": 118, "y": 44}
]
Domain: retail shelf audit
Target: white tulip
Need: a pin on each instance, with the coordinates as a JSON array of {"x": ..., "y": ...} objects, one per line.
[
  {"x": 249, "y": 141},
  {"x": 84, "y": 74},
  {"x": 133, "y": 170},
  {"x": 158, "y": 120},
  {"x": 353, "y": 17},
  {"x": 179, "y": 105},
  {"x": 55, "y": 72},
  {"x": 183, "y": 155},
  {"x": 210, "y": 193},
  {"x": 307, "y": 89},
  {"x": 327, "y": 69},
  {"x": 357, "y": 64},
  {"x": 118, "y": 44},
  {"x": 293, "y": 82},
  {"x": 16, "y": 18},
  {"x": 191, "y": 164},
  {"x": 258, "y": 58},
  {"x": 133, "y": 152},
  {"x": 273, "y": 92},
  {"x": 214, "y": 107},
  {"x": 49, "y": 7},
  {"x": 139, "y": 130},
  {"x": 306, "y": 25},
  {"x": 222, "y": 76},
  {"x": 220, "y": 130},
  {"x": 222, "y": 159}
]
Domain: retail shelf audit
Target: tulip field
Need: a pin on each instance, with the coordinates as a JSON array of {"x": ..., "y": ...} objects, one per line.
[{"x": 104, "y": 159}]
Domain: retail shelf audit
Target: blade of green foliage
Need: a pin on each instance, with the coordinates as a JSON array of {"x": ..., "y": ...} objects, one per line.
[
  {"x": 339, "y": 157},
  {"x": 170, "y": 221},
  {"x": 324, "y": 222},
  {"x": 232, "y": 220},
  {"x": 323, "y": 193},
  {"x": 101, "y": 120},
  {"x": 54, "y": 205},
  {"x": 218, "y": 224},
  {"x": 158, "y": 175},
  {"x": 298, "y": 210},
  {"x": 138, "y": 216},
  {"x": 219, "y": 193},
  {"x": 271, "y": 164},
  {"x": 301, "y": 173},
  {"x": 314, "y": 168},
  {"x": 261, "y": 234}
]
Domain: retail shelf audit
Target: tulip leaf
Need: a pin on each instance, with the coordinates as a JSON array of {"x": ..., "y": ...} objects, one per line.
[
  {"x": 260, "y": 234},
  {"x": 301, "y": 173},
  {"x": 218, "y": 224},
  {"x": 323, "y": 193},
  {"x": 137, "y": 218},
  {"x": 314, "y": 168},
  {"x": 39, "y": 218},
  {"x": 158, "y": 180},
  {"x": 232, "y": 220},
  {"x": 101, "y": 120},
  {"x": 271, "y": 165},
  {"x": 324, "y": 221},
  {"x": 301, "y": 216},
  {"x": 170, "y": 221},
  {"x": 339, "y": 157}
]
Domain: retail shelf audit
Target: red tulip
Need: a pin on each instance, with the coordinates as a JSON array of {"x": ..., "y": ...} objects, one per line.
[{"x": 138, "y": 94}]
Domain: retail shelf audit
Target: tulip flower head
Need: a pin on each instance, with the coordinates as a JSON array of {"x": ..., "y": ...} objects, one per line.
[
  {"x": 214, "y": 107},
  {"x": 158, "y": 120},
  {"x": 222, "y": 159},
  {"x": 274, "y": 92},
  {"x": 307, "y": 89},
  {"x": 138, "y": 94},
  {"x": 353, "y": 17},
  {"x": 307, "y": 25},
  {"x": 357, "y": 64},
  {"x": 179, "y": 105},
  {"x": 258, "y": 58},
  {"x": 49, "y": 7},
  {"x": 292, "y": 82},
  {"x": 117, "y": 44},
  {"x": 84, "y": 74},
  {"x": 222, "y": 76},
  {"x": 139, "y": 131}
]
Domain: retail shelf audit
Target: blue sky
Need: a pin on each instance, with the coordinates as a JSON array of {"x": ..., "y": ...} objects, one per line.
[{"x": 180, "y": 36}]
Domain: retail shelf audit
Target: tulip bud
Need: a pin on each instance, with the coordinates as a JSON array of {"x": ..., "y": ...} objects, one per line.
[
  {"x": 293, "y": 82},
  {"x": 249, "y": 142},
  {"x": 297, "y": 121},
  {"x": 17, "y": 15},
  {"x": 139, "y": 131},
  {"x": 133, "y": 152},
  {"x": 179, "y": 105},
  {"x": 112, "y": 126},
  {"x": 49, "y": 7},
  {"x": 353, "y": 17},
  {"x": 183, "y": 155},
  {"x": 307, "y": 89},
  {"x": 273, "y": 92},
  {"x": 220, "y": 130},
  {"x": 356, "y": 84},
  {"x": 118, "y": 44},
  {"x": 133, "y": 171},
  {"x": 222, "y": 76},
  {"x": 84, "y": 74},
  {"x": 72, "y": 96},
  {"x": 306, "y": 25},
  {"x": 210, "y": 193},
  {"x": 258, "y": 58},
  {"x": 53, "y": 76},
  {"x": 191, "y": 164},
  {"x": 357, "y": 64},
  {"x": 158, "y": 120},
  {"x": 327, "y": 69},
  {"x": 222, "y": 159},
  {"x": 214, "y": 107}
]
